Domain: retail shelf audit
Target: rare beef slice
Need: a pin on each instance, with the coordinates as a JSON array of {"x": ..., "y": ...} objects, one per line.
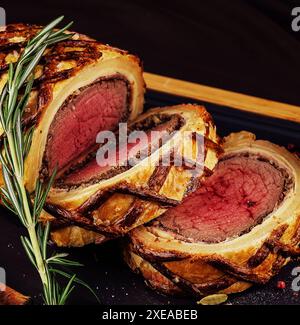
[
  {"x": 239, "y": 194},
  {"x": 238, "y": 228}
]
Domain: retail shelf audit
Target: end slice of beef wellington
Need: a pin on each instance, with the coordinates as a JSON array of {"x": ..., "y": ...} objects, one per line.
[
  {"x": 238, "y": 228},
  {"x": 94, "y": 202},
  {"x": 81, "y": 87}
]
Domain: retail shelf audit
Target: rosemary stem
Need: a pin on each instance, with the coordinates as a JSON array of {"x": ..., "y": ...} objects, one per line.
[
  {"x": 31, "y": 225},
  {"x": 14, "y": 98},
  {"x": 37, "y": 253},
  {"x": 12, "y": 150}
]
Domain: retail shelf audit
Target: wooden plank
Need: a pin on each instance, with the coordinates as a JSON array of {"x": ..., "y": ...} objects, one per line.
[{"x": 222, "y": 97}]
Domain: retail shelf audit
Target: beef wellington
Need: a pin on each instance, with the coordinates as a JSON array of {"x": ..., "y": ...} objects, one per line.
[
  {"x": 81, "y": 87},
  {"x": 94, "y": 202},
  {"x": 238, "y": 228}
]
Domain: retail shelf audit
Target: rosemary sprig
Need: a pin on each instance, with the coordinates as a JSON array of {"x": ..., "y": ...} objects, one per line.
[{"x": 16, "y": 144}]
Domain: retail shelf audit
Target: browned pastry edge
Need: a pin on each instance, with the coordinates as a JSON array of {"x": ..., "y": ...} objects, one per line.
[
  {"x": 12, "y": 297},
  {"x": 233, "y": 273}
]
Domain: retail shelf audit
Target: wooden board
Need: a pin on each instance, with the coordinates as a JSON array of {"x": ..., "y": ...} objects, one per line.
[{"x": 222, "y": 97}]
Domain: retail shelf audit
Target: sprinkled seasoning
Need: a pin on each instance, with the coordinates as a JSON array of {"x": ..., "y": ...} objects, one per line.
[
  {"x": 281, "y": 285},
  {"x": 215, "y": 299}
]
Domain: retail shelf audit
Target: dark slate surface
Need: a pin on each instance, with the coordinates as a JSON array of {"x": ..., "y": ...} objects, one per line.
[{"x": 104, "y": 268}]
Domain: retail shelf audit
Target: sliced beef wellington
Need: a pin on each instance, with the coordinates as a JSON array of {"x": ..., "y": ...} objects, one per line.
[
  {"x": 238, "y": 228},
  {"x": 81, "y": 88},
  {"x": 96, "y": 201}
]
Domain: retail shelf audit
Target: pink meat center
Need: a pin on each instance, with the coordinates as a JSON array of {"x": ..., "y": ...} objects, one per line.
[
  {"x": 99, "y": 107},
  {"x": 240, "y": 193},
  {"x": 121, "y": 155}
]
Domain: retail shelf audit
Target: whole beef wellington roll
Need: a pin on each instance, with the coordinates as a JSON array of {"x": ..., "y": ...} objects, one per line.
[
  {"x": 237, "y": 229},
  {"x": 103, "y": 202}
]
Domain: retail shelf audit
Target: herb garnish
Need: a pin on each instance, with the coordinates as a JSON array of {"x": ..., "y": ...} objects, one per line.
[{"x": 16, "y": 144}]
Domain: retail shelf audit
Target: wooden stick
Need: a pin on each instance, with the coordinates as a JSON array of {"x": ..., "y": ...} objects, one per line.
[
  {"x": 222, "y": 97},
  {"x": 10, "y": 296}
]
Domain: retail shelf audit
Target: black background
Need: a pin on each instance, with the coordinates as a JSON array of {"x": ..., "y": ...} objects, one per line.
[{"x": 240, "y": 45}]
